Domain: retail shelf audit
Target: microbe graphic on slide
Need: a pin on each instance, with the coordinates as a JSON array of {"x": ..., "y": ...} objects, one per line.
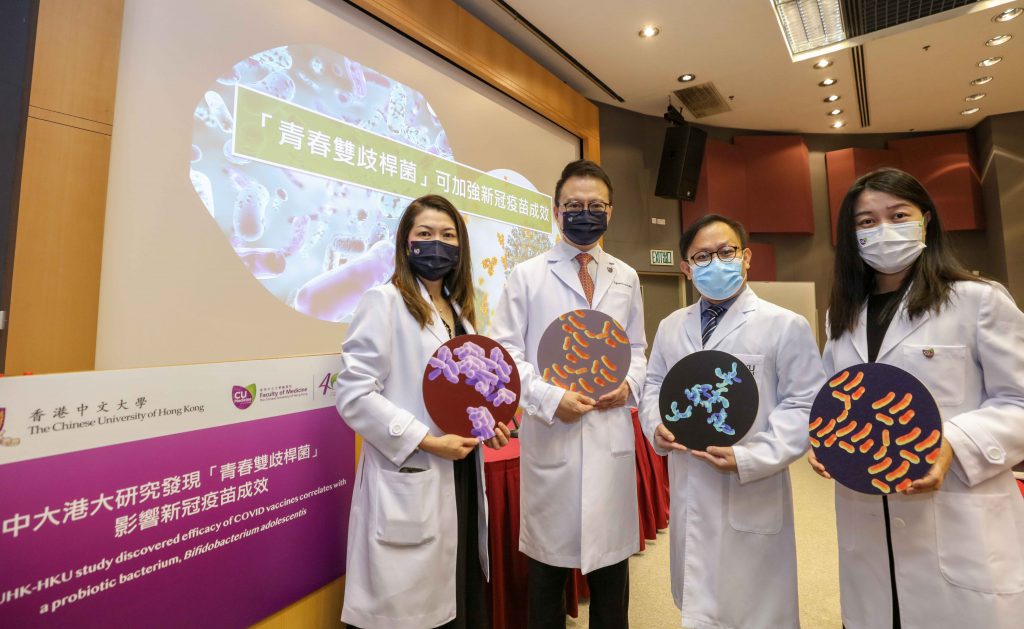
[
  {"x": 712, "y": 398},
  {"x": 306, "y": 159}
]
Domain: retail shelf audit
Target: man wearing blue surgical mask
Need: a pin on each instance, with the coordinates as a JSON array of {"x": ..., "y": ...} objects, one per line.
[{"x": 732, "y": 511}]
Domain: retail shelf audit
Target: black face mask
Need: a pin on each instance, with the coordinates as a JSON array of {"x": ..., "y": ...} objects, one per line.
[
  {"x": 584, "y": 227},
  {"x": 432, "y": 259}
]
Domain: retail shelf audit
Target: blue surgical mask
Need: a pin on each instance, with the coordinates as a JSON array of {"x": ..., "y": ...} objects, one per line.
[
  {"x": 584, "y": 227},
  {"x": 719, "y": 280}
]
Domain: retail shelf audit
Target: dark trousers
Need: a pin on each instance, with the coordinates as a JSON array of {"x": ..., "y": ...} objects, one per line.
[{"x": 609, "y": 596}]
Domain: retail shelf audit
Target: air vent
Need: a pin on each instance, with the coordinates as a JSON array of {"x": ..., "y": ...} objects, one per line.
[
  {"x": 860, "y": 78},
  {"x": 861, "y": 17},
  {"x": 703, "y": 100}
]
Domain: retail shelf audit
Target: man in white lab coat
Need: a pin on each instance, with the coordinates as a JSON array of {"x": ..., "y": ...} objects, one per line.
[
  {"x": 733, "y": 552},
  {"x": 578, "y": 471}
]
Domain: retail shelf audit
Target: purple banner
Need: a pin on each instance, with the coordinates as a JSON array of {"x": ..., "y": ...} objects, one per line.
[{"x": 218, "y": 527}]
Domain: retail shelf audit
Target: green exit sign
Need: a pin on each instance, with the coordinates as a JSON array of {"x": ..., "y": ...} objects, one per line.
[{"x": 661, "y": 257}]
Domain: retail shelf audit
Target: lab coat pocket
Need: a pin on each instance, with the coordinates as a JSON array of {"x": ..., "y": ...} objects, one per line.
[
  {"x": 942, "y": 369},
  {"x": 620, "y": 431},
  {"x": 978, "y": 542},
  {"x": 755, "y": 363},
  {"x": 406, "y": 510},
  {"x": 544, "y": 444},
  {"x": 756, "y": 507}
]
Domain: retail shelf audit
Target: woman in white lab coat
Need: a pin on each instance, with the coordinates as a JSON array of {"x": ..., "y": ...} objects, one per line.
[
  {"x": 417, "y": 537},
  {"x": 949, "y": 550}
]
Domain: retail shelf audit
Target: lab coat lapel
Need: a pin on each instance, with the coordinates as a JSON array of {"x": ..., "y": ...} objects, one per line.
[
  {"x": 465, "y": 324},
  {"x": 435, "y": 327},
  {"x": 692, "y": 326},
  {"x": 860, "y": 335},
  {"x": 568, "y": 272},
  {"x": 734, "y": 317},
  {"x": 900, "y": 328},
  {"x": 603, "y": 277}
]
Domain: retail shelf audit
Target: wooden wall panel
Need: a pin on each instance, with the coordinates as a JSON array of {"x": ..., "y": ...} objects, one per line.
[
  {"x": 844, "y": 166},
  {"x": 778, "y": 184},
  {"x": 450, "y": 31},
  {"x": 74, "y": 69},
  {"x": 762, "y": 263},
  {"x": 945, "y": 166},
  {"x": 58, "y": 242},
  {"x": 55, "y": 290},
  {"x": 721, "y": 188}
]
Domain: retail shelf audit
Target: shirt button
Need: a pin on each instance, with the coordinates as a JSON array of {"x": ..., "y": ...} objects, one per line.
[
  {"x": 899, "y": 523},
  {"x": 395, "y": 429},
  {"x": 994, "y": 453},
  {"x": 532, "y": 409}
]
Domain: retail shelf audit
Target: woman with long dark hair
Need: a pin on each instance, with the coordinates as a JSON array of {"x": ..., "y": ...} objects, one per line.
[
  {"x": 417, "y": 537},
  {"x": 947, "y": 551}
]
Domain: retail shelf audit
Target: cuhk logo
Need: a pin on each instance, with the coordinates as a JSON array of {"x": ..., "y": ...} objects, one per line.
[{"x": 243, "y": 396}]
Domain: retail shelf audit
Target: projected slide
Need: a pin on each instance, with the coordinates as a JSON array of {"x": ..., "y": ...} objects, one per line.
[{"x": 306, "y": 159}]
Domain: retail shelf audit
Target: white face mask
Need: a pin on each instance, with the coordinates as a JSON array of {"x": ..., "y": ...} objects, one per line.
[{"x": 891, "y": 247}]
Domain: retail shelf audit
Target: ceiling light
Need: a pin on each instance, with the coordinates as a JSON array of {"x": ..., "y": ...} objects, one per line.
[
  {"x": 974, "y": 97},
  {"x": 686, "y": 78},
  {"x": 835, "y": 112},
  {"x": 831, "y": 99},
  {"x": 988, "y": 63},
  {"x": 998, "y": 40},
  {"x": 809, "y": 24},
  {"x": 1007, "y": 15},
  {"x": 972, "y": 110},
  {"x": 828, "y": 82},
  {"x": 824, "y": 63},
  {"x": 649, "y": 31},
  {"x": 838, "y": 124},
  {"x": 981, "y": 80}
]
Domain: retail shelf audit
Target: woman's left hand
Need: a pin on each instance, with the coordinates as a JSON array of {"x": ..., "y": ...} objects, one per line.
[
  {"x": 932, "y": 481},
  {"x": 501, "y": 436}
]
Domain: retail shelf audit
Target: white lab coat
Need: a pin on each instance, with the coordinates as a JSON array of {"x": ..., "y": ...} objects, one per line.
[
  {"x": 733, "y": 552},
  {"x": 958, "y": 552},
  {"x": 578, "y": 480},
  {"x": 403, "y": 533}
]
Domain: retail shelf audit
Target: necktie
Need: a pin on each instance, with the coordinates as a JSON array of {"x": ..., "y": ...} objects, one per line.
[
  {"x": 714, "y": 312},
  {"x": 585, "y": 279}
]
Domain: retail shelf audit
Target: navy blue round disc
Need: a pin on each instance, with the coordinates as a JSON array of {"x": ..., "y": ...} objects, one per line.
[
  {"x": 875, "y": 428},
  {"x": 708, "y": 398}
]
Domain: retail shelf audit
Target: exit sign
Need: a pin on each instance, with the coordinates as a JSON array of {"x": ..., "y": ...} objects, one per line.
[{"x": 661, "y": 257}]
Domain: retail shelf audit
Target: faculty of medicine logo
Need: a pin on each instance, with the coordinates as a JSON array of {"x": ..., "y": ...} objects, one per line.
[{"x": 243, "y": 397}]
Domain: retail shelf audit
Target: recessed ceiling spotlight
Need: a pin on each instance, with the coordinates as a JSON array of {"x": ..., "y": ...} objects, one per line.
[
  {"x": 835, "y": 112},
  {"x": 981, "y": 80},
  {"x": 974, "y": 97},
  {"x": 988, "y": 63},
  {"x": 831, "y": 99},
  {"x": 828, "y": 82},
  {"x": 824, "y": 63},
  {"x": 686, "y": 78},
  {"x": 838, "y": 124},
  {"x": 972, "y": 110},
  {"x": 998, "y": 40},
  {"x": 649, "y": 31},
  {"x": 1007, "y": 15}
]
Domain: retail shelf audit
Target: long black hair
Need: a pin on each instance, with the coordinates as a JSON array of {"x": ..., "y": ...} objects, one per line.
[{"x": 927, "y": 286}]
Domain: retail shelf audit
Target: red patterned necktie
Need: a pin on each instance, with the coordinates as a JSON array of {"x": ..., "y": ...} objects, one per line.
[{"x": 585, "y": 279}]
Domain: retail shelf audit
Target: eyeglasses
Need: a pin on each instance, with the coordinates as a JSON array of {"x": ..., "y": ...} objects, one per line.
[
  {"x": 726, "y": 253},
  {"x": 595, "y": 207}
]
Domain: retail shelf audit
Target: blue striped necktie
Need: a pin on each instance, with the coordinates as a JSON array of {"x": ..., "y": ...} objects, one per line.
[{"x": 714, "y": 312}]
